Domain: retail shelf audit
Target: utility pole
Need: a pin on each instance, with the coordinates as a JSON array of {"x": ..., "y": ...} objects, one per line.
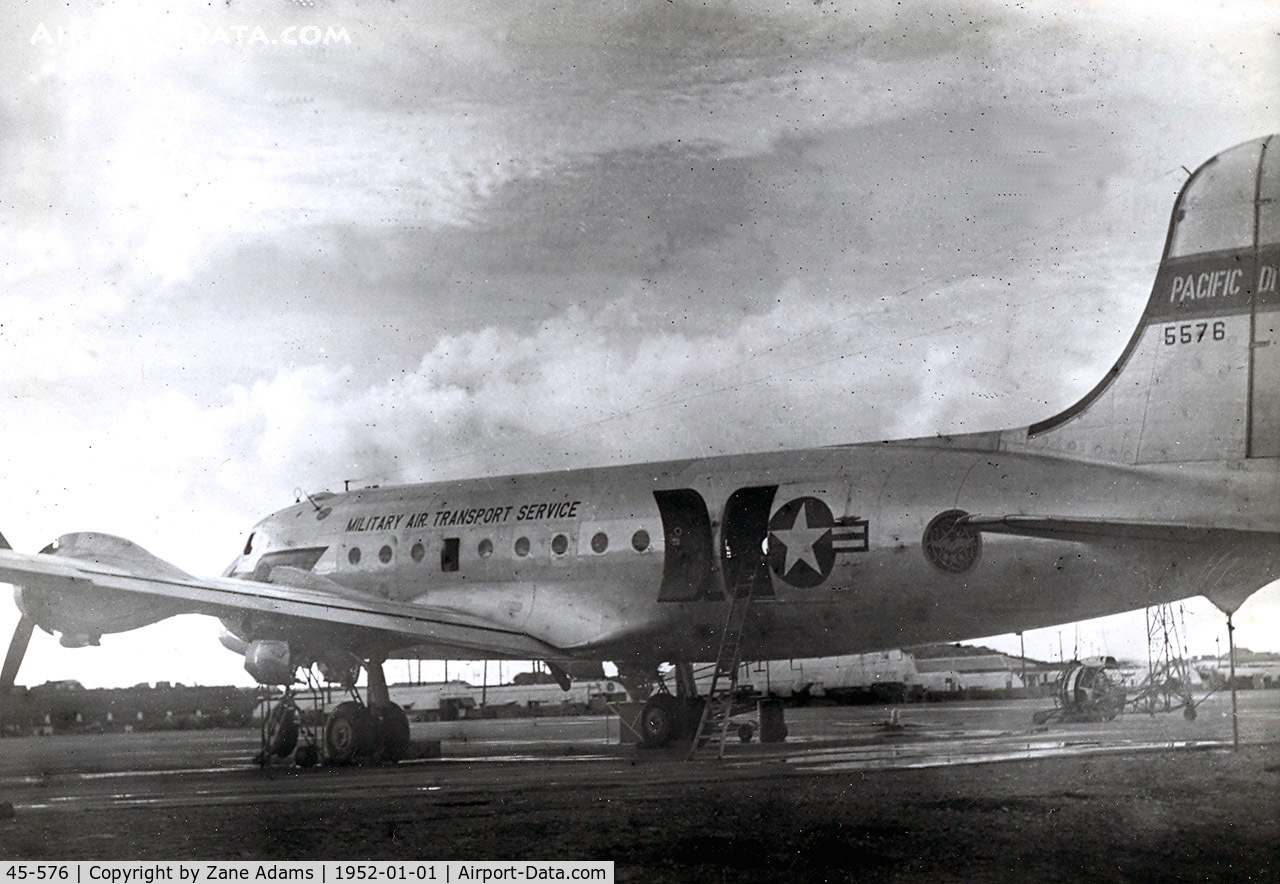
[
  {"x": 1022, "y": 655},
  {"x": 1235, "y": 717}
]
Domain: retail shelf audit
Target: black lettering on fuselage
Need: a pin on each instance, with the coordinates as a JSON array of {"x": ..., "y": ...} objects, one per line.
[
  {"x": 389, "y": 522},
  {"x": 533, "y": 512},
  {"x": 482, "y": 515}
]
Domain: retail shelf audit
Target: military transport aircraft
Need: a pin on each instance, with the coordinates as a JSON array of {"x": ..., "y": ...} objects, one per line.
[{"x": 1161, "y": 483}]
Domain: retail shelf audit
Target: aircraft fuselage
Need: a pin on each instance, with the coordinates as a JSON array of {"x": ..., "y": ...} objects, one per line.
[{"x": 846, "y": 548}]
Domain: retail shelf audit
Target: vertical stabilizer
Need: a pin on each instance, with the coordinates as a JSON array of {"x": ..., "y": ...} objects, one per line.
[{"x": 1200, "y": 378}]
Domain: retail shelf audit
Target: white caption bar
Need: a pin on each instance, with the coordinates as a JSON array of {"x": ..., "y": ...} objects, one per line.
[{"x": 444, "y": 872}]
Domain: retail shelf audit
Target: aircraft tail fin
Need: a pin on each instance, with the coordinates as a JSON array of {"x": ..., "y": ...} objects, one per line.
[{"x": 1200, "y": 378}]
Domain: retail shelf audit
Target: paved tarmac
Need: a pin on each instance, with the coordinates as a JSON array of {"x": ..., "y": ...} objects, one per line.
[{"x": 480, "y": 758}]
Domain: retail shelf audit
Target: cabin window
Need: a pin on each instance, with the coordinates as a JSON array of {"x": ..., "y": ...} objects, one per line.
[
  {"x": 353, "y": 555},
  {"x": 384, "y": 555},
  {"x": 248, "y": 545},
  {"x": 485, "y": 549},
  {"x": 449, "y": 554},
  {"x": 522, "y": 546},
  {"x": 559, "y": 544},
  {"x": 640, "y": 540},
  {"x": 600, "y": 542},
  {"x": 418, "y": 553}
]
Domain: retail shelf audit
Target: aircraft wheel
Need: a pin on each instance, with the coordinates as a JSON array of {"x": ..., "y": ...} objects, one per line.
[
  {"x": 661, "y": 721},
  {"x": 307, "y": 756},
  {"x": 280, "y": 731},
  {"x": 393, "y": 725},
  {"x": 745, "y": 732},
  {"x": 350, "y": 732}
]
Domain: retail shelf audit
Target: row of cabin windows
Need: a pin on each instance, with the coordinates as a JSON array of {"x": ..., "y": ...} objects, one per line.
[{"x": 450, "y": 552}]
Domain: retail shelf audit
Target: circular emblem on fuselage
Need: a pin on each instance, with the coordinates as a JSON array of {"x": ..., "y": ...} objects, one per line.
[
  {"x": 949, "y": 545},
  {"x": 800, "y": 550}
]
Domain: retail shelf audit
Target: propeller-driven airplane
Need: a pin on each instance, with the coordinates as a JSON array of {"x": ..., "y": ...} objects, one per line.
[{"x": 1160, "y": 484}]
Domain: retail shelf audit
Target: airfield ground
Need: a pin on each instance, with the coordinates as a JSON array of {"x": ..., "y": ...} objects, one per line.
[{"x": 958, "y": 792}]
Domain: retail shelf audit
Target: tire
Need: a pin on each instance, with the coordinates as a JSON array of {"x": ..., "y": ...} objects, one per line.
[
  {"x": 280, "y": 731},
  {"x": 745, "y": 732},
  {"x": 350, "y": 733},
  {"x": 393, "y": 726},
  {"x": 307, "y": 756},
  {"x": 661, "y": 721}
]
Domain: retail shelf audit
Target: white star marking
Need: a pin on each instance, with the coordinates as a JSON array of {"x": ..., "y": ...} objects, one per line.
[{"x": 799, "y": 540}]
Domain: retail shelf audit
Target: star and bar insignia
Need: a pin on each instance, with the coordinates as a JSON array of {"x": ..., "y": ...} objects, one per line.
[{"x": 805, "y": 538}]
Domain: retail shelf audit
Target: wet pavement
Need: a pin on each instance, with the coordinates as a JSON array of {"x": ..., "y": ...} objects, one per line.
[{"x": 480, "y": 758}]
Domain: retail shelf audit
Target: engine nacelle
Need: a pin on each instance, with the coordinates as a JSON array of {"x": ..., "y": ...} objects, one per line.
[
  {"x": 80, "y": 612},
  {"x": 1089, "y": 690},
  {"x": 269, "y": 662}
]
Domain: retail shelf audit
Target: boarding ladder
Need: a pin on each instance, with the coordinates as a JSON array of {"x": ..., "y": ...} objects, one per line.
[{"x": 713, "y": 727}]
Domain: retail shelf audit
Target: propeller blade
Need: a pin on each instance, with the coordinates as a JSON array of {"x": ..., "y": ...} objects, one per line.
[{"x": 17, "y": 649}]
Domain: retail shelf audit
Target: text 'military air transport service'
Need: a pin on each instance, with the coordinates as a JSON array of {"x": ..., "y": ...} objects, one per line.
[{"x": 1160, "y": 484}]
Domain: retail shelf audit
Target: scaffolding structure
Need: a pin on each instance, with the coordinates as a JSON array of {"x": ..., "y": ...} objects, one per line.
[{"x": 1167, "y": 686}]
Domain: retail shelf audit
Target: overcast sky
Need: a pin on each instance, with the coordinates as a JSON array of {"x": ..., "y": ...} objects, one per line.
[{"x": 256, "y": 247}]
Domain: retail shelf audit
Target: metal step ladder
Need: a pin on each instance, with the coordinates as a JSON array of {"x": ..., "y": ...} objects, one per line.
[{"x": 713, "y": 727}]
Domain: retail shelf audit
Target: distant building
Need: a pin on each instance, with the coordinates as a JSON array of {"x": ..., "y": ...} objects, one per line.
[
  {"x": 881, "y": 676},
  {"x": 956, "y": 669},
  {"x": 896, "y": 675},
  {"x": 1254, "y": 671},
  {"x": 448, "y": 700}
]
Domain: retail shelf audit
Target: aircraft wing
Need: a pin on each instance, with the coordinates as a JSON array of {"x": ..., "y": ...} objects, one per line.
[
  {"x": 1085, "y": 530},
  {"x": 318, "y": 602}
]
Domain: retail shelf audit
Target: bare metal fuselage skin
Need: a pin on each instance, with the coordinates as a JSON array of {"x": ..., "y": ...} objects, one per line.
[{"x": 600, "y": 591}]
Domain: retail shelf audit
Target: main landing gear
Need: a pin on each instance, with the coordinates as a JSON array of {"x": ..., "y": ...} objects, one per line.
[
  {"x": 354, "y": 732},
  {"x": 674, "y": 718},
  {"x": 671, "y": 718}
]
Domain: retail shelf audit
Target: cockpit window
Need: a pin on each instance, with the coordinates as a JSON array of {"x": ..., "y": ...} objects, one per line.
[
  {"x": 303, "y": 558},
  {"x": 248, "y": 545},
  {"x": 1216, "y": 210}
]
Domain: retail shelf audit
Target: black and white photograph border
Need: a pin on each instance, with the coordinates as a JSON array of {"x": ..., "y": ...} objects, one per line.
[{"x": 261, "y": 253}]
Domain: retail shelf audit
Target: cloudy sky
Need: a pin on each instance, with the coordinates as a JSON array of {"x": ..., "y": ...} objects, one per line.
[{"x": 258, "y": 246}]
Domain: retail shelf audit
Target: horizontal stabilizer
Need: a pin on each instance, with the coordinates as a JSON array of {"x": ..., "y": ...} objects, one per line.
[{"x": 1085, "y": 530}]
